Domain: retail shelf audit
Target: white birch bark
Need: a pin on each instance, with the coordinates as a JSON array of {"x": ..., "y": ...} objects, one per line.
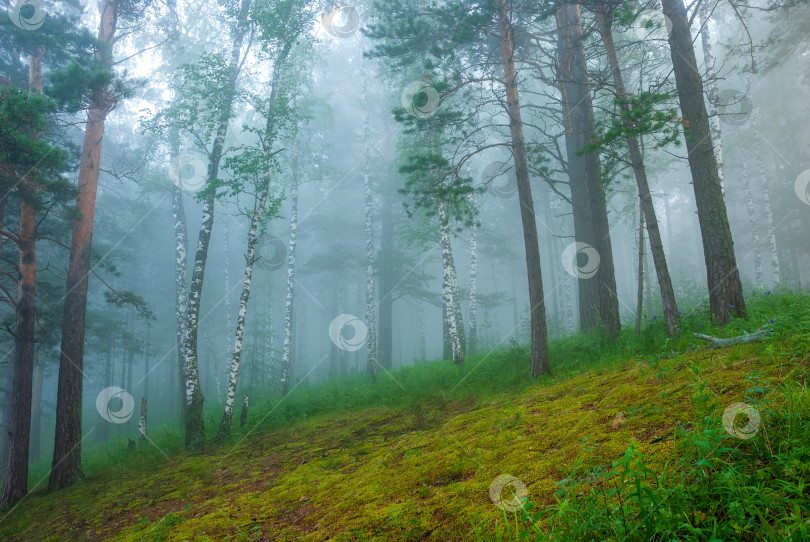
[
  {"x": 471, "y": 340},
  {"x": 225, "y": 425},
  {"x": 180, "y": 267},
  {"x": 268, "y": 346},
  {"x": 195, "y": 426},
  {"x": 766, "y": 202},
  {"x": 286, "y": 354},
  {"x": 422, "y": 349},
  {"x": 228, "y": 312},
  {"x": 711, "y": 83},
  {"x": 142, "y": 421},
  {"x": 752, "y": 221},
  {"x": 341, "y": 303},
  {"x": 371, "y": 307},
  {"x": 448, "y": 288}
]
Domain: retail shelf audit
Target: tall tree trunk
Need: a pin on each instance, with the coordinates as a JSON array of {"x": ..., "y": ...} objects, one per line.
[
  {"x": 752, "y": 222},
  {"x": 255, "y": 224},
  {"x": 537, "y": 308},
  {"x": 599, "y": 303},
  {"x": 368, "y": 189},
  {"x": 473, "y": 336},
  {"x": 104, "y": 427},
  {"x": 341, "y": 354},
  {"x": 142, "y": 420},
  {"x": 723, "y": 277},
  {"x": 422, "y": 346},
  {"x": 449, "y": 291},
  {"x": 225, "y": 423},
  {"x": 386, "y": 282},
  {"x": 714, "y": 95},
  {"x": 147, "y": 333},
  {"x": 36, "y": 411},
  {"x": 228, "y": 318},
  {"x": 180, "y": 268},
  {"x": 462, "y": 335},
  {"x": 765, "y": 193},
  {"x": 671, "y": 318},
  {"x": 16, "y": 469},
  {"x": 640, "y": 290},
  {"x": 67, "y": 452},
  {"x": 195, "y": 425},
  {"x": 286, "y": 354}
]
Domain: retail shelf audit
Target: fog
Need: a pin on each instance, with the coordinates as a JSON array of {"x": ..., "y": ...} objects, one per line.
[{"x": 371, "y": 143}]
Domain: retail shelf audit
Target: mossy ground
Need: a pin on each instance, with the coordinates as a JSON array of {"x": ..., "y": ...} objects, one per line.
[{"x": 397, "y": 472}]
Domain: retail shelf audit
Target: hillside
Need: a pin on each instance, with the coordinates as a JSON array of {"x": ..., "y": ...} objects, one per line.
[{"x": 423, "y": 471}]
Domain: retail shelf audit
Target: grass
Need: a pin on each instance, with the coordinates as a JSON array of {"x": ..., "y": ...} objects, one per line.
[{"x": 615, "y": 444}]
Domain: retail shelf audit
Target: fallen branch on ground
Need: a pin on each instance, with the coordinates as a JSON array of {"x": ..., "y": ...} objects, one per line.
[{"x": 745, "y": 338}]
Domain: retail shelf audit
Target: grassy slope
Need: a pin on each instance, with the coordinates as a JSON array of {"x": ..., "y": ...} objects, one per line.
[{"x": 412, "y": 470}]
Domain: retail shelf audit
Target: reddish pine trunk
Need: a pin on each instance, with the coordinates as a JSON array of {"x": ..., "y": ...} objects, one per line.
[
  {"x": 537, "y": 308},
  {"x": 67, "y": 449},
  {"x": 656, "y": 244},
  {"x": 16, "y": 476}
]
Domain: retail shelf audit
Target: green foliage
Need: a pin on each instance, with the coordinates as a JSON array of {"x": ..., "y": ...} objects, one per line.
[
  {"x": 637, "y": 116},
  {"x": 23, "y": 117},
  {"x": 716, "y": 488}
]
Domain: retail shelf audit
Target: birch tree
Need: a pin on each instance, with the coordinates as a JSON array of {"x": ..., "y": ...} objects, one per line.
[
  {"x": 195, "y": 425},
  {"x": 286, "y": 352},
  {"x": 368, "y": 192},
  {"x": 281, "y": 31},
  {"x": 450, "y": 290},
  {"x": 752, "y": 221},
  {"x": 765, "y": 193}
]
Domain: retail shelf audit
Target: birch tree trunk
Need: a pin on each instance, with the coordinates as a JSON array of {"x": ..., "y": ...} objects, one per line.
[
  {"x": 255, "y": 223},
  {"x": 640, "y": 290},
  {"x": 385, "y": 281},
  {"x": 752, "y": 222},
  {"x": 537, "y": 308},
  {"x": 142, "y": 421},
  {"x": 195, "y": 425},
  {"x": 371, "y": 308},
  {"x": 228, "y": 312},
  {"x": 67, "y": 452},
  {"x": 671, "y": 318},
  {"x": 341, "y": 296},
  {"x": 286, "y": 354},
  {"x": 225, "y": 423},
  {"x": 180, "y": 267},
  {"x": 448, "y": 289},
  {"x": 723, "y": 277},
  {"x": 422, "y": 346},
  {"x": 473, "y": 337},
  {"x": 714, "y": 95},
  {"x": 766, "y": 202}
]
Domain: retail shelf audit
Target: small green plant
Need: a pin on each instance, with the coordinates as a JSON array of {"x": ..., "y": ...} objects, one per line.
[{"x": 716, "y": 488}]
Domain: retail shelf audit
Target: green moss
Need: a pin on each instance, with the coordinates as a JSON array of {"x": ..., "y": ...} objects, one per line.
[{"x": 422, "y": 467}]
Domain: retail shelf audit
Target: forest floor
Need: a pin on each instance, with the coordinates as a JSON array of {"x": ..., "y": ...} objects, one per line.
[{"x": 421, "y": 471}]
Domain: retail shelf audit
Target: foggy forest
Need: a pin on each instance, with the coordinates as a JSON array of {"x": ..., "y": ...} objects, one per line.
[{"x": 485, "y": 270}]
